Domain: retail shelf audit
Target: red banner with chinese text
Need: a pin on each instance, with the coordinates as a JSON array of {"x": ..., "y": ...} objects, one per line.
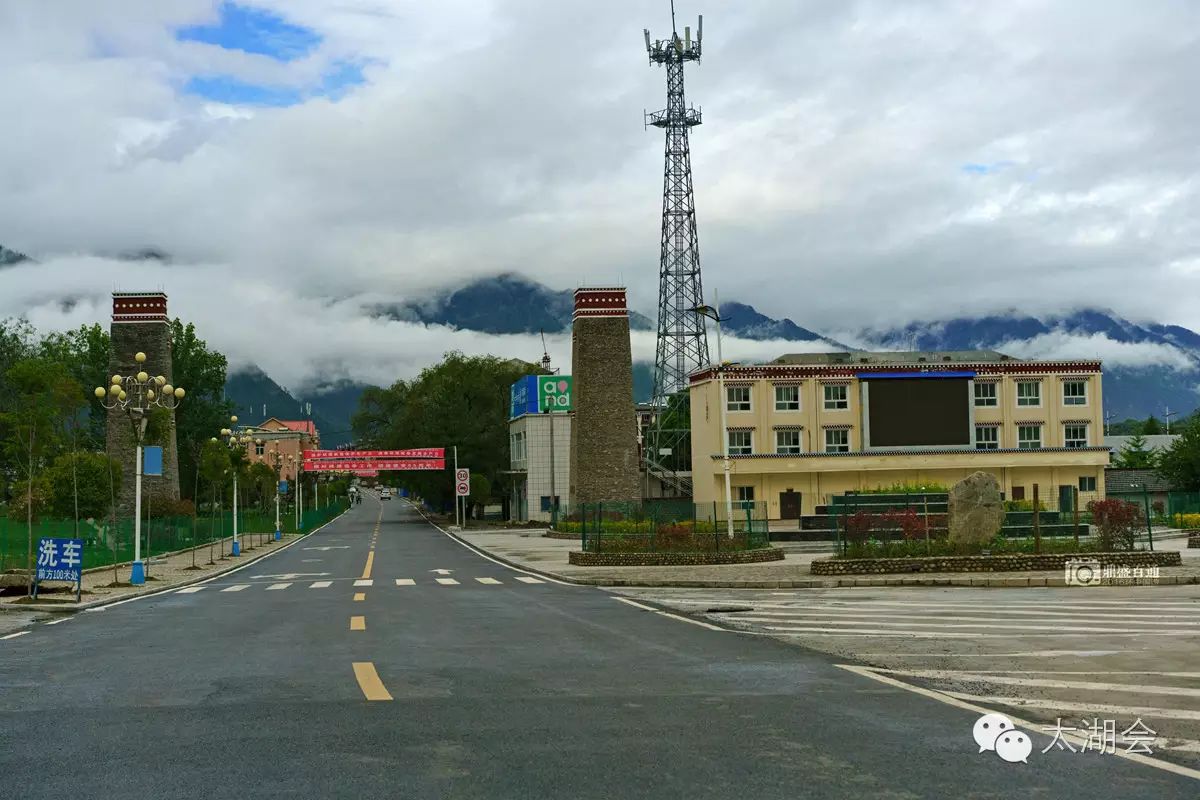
[
  {"x": 359, "y": 455},
  {"x": 376, "y": 465}
]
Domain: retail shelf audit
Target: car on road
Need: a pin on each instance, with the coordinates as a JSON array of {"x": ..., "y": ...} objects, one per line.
[{"x": 384, "y": 494}]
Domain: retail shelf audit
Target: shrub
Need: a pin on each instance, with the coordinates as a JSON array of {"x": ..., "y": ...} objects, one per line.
[
  {"x": 1117, "y": 523},
  {"x": 859, "y": 526},
  {"x": 907, "y": 488}
]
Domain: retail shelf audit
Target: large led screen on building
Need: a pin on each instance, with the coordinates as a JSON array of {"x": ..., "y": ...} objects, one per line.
[{"x": 919, "y": 412}]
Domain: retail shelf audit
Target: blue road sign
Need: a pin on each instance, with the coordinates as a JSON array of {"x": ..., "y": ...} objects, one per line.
[
  {"x": 59, "y": 560},
  {"x": 283, "y": 487},
  {"x": 152, "y": 460},
  {"x": 523, "y": 397}
]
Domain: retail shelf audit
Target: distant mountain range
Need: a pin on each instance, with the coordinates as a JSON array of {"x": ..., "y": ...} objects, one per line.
[
  {"x": 513, "y": 304},
  {"x": 8, "y": 257},
  {"x": 257, "y": 397}
]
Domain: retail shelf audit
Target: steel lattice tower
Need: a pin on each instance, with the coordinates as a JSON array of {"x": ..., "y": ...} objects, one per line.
[{"x": 682, "y": 346}]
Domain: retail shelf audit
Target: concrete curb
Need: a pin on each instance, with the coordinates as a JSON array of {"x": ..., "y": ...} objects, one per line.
[{"x": 71, "y": 609}]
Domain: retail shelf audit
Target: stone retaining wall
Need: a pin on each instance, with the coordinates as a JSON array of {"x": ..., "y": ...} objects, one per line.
[
  {"x": 1194, "y": 540},
  {"x": 1002, "y": 563},
  {"x": 673, "y": 559},
  {"x": 561, "y": 535}
]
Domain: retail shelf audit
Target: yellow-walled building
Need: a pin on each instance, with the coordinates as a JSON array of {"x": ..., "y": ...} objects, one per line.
[{"x": 809, "y": 426}]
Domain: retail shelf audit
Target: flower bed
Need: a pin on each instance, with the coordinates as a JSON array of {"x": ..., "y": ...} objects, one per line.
[{"x": 679, "y": 559}]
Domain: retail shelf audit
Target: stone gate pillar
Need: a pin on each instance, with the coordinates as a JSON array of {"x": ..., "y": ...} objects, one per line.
[
  {"x": 140, "y": 324},
  {"x": 604, "y": 461}
]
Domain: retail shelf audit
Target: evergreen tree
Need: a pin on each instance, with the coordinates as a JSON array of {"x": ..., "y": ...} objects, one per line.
[{"x": 1135, "y": 455}]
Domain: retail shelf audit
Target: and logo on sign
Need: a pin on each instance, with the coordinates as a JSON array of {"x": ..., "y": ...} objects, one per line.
[{"x": 554, "y": 393}]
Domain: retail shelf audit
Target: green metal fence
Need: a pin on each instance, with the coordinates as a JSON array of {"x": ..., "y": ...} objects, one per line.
[
  {"x": 654, "y": 526},
  {"x": 106, "y": 544}
]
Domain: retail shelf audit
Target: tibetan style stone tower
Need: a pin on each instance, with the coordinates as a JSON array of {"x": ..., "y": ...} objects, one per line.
[
  {"x": 604, "y": 460},
  {"x": 140, "y": 324}
]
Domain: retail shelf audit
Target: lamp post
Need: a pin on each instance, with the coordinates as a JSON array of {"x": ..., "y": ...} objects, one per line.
[
  {"x": 278, "y": 461},
  {"x": 137, "y": 395},
  {"x": 235, "y": 441},
  {"x": 713, "y": 312}
]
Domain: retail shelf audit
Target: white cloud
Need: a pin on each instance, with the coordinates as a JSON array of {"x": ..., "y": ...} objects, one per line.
[
  {"x": 1066, "y": 346},
  {"x": 505, "y": 135}
]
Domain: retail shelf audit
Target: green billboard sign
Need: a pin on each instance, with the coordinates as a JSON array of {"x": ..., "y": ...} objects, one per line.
[{"x": 554, "y": 393}]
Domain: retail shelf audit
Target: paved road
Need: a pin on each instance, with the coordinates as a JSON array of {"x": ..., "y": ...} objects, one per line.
[
  {"x": 1049, "y": 653},
  {"x": 257, "y": 685}
]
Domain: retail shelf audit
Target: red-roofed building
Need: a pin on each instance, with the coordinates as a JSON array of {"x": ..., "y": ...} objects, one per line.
[{"x": 289, "y": 449}]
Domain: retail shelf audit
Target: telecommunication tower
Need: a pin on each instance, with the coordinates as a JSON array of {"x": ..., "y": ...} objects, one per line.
[{"x": 682, "y": 346}]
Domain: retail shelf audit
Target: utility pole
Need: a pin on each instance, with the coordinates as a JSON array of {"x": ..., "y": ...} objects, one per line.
[{"x": 1167, "y": 414}]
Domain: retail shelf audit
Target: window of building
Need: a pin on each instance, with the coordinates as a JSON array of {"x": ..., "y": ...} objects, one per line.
[
  {"x": 1075, "y": 435},
  {"x": 1074, "y": 393},
  {"x": 743, "y": 496},
  {"x": 546, "y": 502},
  {"x": 1029, "y": 437},
  {"x": 987, "y": 437},
  {"x": 837, "y": 441},
  {"x": 737, "y": 398},
  {"x": 517, "y": 447},
  {"x": 1087, "y": 483},
  {"x": 259, "y": 448},
  {"x": 836, "y": 397},
  {"x": 787, "y": 398},
  {"x": 740, "y": 443},
  {"x": 985, "y": 394},
  {"x": 1018, "y": 493},
  {"x": 787, "y": 441},
  {"x": 1029, "y": 393}
]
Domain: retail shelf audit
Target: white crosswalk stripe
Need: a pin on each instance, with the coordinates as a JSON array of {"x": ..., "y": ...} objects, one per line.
[
  {"x": 405, "y": 582},
  {"x": 447, "y": 581},
  {"x": 527, "y": 579},
  {"x": 364, "y": 582},
  {"x": 489, "y": 581},
  {"x": 276, "y": 586},
  {"x": 190, "y": 590},
  {"x": 320, "y": 584},
  {"x": 239, "y": 587}
]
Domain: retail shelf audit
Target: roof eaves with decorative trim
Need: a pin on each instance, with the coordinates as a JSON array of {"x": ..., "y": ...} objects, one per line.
[{"x": 850, "y": 371}]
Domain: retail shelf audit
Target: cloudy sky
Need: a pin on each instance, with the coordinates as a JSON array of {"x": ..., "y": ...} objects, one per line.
[{"x": 861, "y": 163}]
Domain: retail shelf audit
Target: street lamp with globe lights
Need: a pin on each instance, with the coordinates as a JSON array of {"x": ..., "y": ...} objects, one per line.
[
  {"x": 236, "y": 440},
  {"x": 137, "y": 395}
]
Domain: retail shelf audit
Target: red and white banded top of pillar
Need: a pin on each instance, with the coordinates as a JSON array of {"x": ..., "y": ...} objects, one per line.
[
  {"x": 139, "y": 307},
  {"x": 594, "y": 302}
]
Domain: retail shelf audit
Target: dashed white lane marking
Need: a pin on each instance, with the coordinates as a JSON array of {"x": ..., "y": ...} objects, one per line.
[
  {"x": 276, "y": 586},
  {"x": 14, "y": 635},
  {"x": 320, "y": 584},
  {"x": 365, "y": 582},
  {"x": 489, "y": 581},
  {"x": 190, "y": 590},
  {"x": 405, "y": 582},
  {"x": 60, "y": 621},
  {"x": 236, "y": 588},
  {"x": 447, "y": 581},
  {"x": 527, "y": 579}
]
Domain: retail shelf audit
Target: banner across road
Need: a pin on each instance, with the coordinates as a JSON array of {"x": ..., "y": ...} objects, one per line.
[
  {"x": 358, "y": 455},
  {"x": 375, "y": 465}
]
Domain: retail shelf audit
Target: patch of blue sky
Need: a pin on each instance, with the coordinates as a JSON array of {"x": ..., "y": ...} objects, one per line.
[
  {"x": 986, "y": 169},
  {"x": 334, "y": 84},
  {"x": 252, "y": 30}
]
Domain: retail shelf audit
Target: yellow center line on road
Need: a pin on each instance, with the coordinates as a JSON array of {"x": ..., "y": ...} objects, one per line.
[
  {"x": 368, "y": 681},
  {"x": 360, "y": 596},
  {"x": 358, "y": 623},
  {"x": 370, "y": 563}
]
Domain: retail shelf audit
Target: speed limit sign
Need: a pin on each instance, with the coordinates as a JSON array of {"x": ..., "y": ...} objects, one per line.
[{"x": 462, "y": 475}]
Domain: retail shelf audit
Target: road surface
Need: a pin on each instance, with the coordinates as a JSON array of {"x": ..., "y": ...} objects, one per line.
[{"x": 380, "y": 657}]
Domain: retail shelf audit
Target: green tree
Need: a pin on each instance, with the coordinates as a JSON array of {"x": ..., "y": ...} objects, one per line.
[
  {"x": 462, "y": 401},
  {"x": 1180, "y": 463},
  {"x": 1135, "y": 455},
  {"x": 90, "y": 473},
  {"x": 85, "y": 352},
  {"x": 1152, "y": 427},
  {"x": 203, "y": 412}
]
